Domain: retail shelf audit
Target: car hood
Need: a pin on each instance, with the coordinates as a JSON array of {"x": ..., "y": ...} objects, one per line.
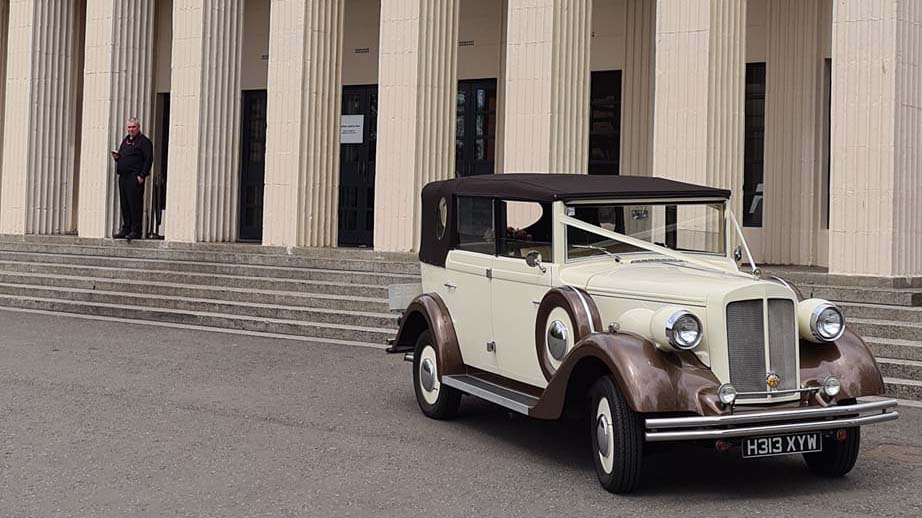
[{"x": 678, "y": 283}]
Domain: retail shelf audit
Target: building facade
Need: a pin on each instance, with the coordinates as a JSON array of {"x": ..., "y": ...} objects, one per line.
[{"x": 317, "y": 122}]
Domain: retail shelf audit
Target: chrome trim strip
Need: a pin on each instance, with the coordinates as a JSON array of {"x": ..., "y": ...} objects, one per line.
[
  {"x": 764, "y": 417},
  {"x": 586, "y": 307},
  {"x": 780, "y": 392},
  {"x": 485, "y": 394},
  {"x": 691, "y": 435}
]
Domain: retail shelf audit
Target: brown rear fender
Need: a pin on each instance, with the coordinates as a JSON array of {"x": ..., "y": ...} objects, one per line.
[
  {"x": 428, "y": 311},
  {"x": 650, "y": 380},
  {"x": 849, "y": 359}
]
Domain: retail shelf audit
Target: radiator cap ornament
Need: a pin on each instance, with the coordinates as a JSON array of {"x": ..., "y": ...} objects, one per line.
[{"x": 773, "y": 380}]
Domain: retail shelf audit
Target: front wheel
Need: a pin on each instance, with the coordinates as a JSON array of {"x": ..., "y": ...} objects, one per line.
[
  {"x": 838, "y": 456},
  {"x": 435, "y": 400},
  {"x": 617, "y": 438}
]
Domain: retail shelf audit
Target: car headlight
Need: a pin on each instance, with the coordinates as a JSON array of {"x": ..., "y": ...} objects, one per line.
[
  {"x": 831, "y": 386},
  {"x": 683, "y": 330},
  {"x": 727, "y": 394},
  {"x": 821, "y": 321}
]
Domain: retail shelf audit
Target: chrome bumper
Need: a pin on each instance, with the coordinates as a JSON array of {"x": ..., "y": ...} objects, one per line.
[{"x": 770, "y": 422}]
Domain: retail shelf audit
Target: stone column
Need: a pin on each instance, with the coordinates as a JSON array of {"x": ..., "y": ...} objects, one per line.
[
  {"x": 417, "y": 86},
  {"x": 302, "y": 139},
  {"x": 793, "y": 124},
  {"x": 698, "y": 124},
  {"x": 637, "y": 108},
  {"x": 876, "y": 206},
  {"x": 118, "y": 77},
  {"x": 41, "y": 120},
  {"x": 4, "y": 32},
  {"x": 547, "y": 79},
  {"x": 204, "y": 163}
]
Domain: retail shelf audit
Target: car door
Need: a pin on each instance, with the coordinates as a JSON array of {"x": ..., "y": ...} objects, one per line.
[
  {"x": 465, "y": 285},
  {"x": 517, "y": 288}
]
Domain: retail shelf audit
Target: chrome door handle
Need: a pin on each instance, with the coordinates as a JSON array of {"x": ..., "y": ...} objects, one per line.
[{"x": 450, "y": 285}]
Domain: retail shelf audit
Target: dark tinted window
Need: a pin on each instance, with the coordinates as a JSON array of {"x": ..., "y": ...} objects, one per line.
[
  {"x": 476, "y": 225},
  {"x": 527, "y": 227}
]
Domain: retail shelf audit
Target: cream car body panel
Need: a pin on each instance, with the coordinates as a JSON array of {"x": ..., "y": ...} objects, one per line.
[
  {"x": 465, "y": 288},
  {"x": 517, "y": 290}
]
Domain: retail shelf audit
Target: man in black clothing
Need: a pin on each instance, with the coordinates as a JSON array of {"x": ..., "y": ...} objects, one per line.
[{"x": 134, "y": 159}]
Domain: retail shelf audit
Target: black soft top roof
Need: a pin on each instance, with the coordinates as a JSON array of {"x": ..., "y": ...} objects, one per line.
[
  {"x": 566, "y": 187},
  {"x": 542, "y": 188}
]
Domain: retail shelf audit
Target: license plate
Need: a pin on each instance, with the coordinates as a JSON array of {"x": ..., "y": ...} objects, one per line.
[{"x": 782, "y": 445}]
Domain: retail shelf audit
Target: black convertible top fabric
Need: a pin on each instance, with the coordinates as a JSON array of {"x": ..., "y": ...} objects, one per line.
[
  {"x": 542, "y": 188},
  {"x": 565, "y": 187}
]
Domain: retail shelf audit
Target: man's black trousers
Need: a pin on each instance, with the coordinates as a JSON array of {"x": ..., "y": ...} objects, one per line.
[{"x": 131, "y": 198}]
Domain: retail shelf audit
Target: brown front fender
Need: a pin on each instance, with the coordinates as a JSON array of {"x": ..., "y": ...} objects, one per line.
[
  {"x": 849, "y": 359},
  {"x": 428, "y": 311},
  {"x": 650, "y": 380}
]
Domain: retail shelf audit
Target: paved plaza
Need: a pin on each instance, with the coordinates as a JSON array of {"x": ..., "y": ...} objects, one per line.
[{"x": 103, "y": 418}]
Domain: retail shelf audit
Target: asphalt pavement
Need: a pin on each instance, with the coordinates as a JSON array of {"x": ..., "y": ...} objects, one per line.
[{"x": 103, "y": 418}]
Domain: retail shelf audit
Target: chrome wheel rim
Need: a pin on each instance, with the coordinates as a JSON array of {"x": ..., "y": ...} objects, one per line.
[
  {"x": 605, "y": 435},
  {"x": 429, "y": 375}
]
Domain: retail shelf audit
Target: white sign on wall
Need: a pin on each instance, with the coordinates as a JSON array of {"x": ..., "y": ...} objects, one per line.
[{"x": 351, "y": 129}]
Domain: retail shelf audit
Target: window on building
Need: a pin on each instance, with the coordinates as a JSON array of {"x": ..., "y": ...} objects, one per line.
[
  {"x": 754, "y": 146},
  {"x": 827, "y": 137},
  {"x": 605, "y": 122},
  {"x": 476, "y": 225}
]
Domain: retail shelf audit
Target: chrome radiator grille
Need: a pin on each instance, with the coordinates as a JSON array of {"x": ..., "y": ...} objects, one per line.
[
  {"x": 746, "y": 343},
  {"x": 782, "y": 341}
]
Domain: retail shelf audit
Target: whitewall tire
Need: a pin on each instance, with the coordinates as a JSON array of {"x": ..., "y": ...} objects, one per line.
[
  {"x": 435, "y": 400},
  {"x": 617, "y": 437}
]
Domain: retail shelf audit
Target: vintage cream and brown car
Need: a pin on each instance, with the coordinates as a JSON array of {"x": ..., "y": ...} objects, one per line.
[{"x": 619, "y": 299}]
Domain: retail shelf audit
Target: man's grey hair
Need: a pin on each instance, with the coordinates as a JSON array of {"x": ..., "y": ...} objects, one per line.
[{"x": 135, "y": 120}]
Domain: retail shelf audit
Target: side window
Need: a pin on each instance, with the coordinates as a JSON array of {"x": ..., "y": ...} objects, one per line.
[
  {"x": 475, "y": 225},
  {"x": 526, "y": 227}
]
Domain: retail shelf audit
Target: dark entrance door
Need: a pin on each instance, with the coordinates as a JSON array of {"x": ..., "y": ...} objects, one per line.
[
  {"x": 605, "y": 123},
  {"x": 357, "y": 166},
  {"x": 475, "y": 137},
  {"x": 252, "y": 164}
]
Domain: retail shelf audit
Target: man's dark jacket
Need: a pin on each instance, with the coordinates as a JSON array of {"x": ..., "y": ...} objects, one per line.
[{"x": 136, "y": 156}]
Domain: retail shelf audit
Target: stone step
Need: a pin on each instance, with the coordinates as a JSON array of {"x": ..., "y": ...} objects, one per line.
[
  {"x": 369, "y": 335},
  {"x": 192, "y": 279},
  {"x": 903, "y": 369},
  {"x": 895, "y": 349},
  {"x": 284, "y": 298},
  {"x": 903, "y": 388},
  {"x": 888, "y": 296},
  {"x": 361, "y": 276},
  {"x": 309, "y": 314},
  {"x": 882, "y": 312},
  {"x": 310, "y": 258},
  {"x": 12, "y": 242},
  {"x": 889, "y": 329},
  {"x": 812, "y": 275}
]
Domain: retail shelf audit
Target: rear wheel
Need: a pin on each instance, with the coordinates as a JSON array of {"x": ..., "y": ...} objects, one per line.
[
  {"x": 617, "y": 437},
  {"x": 838, "y": 456},
  {"x": 435, "y": 400}
]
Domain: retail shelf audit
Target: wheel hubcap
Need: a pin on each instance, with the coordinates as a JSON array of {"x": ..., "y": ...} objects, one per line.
[
  {"x": 427, "y": 374},
  {"x": 603, "y": 434}
]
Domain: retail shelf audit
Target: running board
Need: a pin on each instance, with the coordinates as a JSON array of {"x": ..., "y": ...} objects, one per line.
[{"x": 502, "y": 396}]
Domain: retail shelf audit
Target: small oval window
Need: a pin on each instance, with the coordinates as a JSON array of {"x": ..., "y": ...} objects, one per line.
[{"x": 442, "y": 220}]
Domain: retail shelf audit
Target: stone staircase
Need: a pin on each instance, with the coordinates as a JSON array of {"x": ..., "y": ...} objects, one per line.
[
  {"x": 323, "y": 295},
  {"x": 887, "y": 313}
]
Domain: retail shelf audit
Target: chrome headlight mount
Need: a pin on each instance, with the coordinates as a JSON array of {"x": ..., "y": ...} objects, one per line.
[
  {"x": 683, "y": 330},
  {"x": 676, "y": 329},
  {"x": 820, "y": 321}
]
